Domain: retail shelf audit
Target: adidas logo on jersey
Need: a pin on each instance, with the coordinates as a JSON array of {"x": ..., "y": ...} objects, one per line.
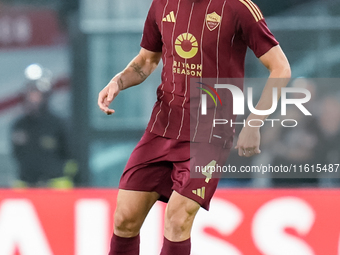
[
  {"x": 170, "y": 17},
  {"x": 199, "y": 192}
]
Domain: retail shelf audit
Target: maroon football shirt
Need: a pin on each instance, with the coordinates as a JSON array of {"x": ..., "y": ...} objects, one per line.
[{"x": 199, "y": 39}]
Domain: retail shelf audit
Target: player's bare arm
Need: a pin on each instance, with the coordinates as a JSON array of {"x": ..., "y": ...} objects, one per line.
[
  {"x": 135, "y": 73},
  {"x": 275, "y": 61}
]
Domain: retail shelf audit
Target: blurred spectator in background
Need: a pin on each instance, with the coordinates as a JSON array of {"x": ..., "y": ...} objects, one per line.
[
  {"x": 298, "y": 145},
  {"x": 328, "y": 149},
  {"x": 39, "y": 139}
]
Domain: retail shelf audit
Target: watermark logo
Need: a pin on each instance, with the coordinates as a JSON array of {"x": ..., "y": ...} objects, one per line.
[
  {"x": 230, "y": 100},
  {"x": 204, "y": 97},
  {"x": 239, "y": 99}
]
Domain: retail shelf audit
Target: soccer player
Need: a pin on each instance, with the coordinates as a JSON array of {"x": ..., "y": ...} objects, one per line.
[{"x": 194, "y": 39}]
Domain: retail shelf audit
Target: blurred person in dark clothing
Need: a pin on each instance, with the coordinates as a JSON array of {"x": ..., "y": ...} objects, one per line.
[{"x": 39, "y": 141}]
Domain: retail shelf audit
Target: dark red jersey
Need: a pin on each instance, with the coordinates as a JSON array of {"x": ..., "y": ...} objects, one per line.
[{"x": 199, "y": 39}]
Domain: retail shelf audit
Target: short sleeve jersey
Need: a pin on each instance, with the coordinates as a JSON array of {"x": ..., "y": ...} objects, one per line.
[{"x": 199, "y": 39}]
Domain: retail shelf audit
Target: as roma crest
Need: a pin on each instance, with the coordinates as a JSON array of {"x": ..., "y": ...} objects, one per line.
[{"x": 213, "y": 20}]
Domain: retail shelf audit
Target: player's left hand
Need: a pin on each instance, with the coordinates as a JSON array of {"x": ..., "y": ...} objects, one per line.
[
  {"x": 108, "y": 94},
  {"x": 248, "y": 143}
]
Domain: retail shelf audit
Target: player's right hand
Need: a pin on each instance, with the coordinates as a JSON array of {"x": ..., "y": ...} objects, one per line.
[{"x": 107, "y": 95}]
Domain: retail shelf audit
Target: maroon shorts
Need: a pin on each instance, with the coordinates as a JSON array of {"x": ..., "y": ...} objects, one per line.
[{"x": 163, "y": 164}]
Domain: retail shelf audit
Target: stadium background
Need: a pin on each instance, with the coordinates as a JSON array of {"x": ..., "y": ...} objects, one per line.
[{"x": 84, "y": 44}]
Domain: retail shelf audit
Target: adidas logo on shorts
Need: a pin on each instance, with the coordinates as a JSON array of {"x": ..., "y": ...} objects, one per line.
[{"x": 199, "y": 192}]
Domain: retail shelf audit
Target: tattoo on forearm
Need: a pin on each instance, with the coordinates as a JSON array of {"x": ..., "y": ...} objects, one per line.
[
  {"x": 137, "y": 68},
  {"x": 120, "y": 84}
]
